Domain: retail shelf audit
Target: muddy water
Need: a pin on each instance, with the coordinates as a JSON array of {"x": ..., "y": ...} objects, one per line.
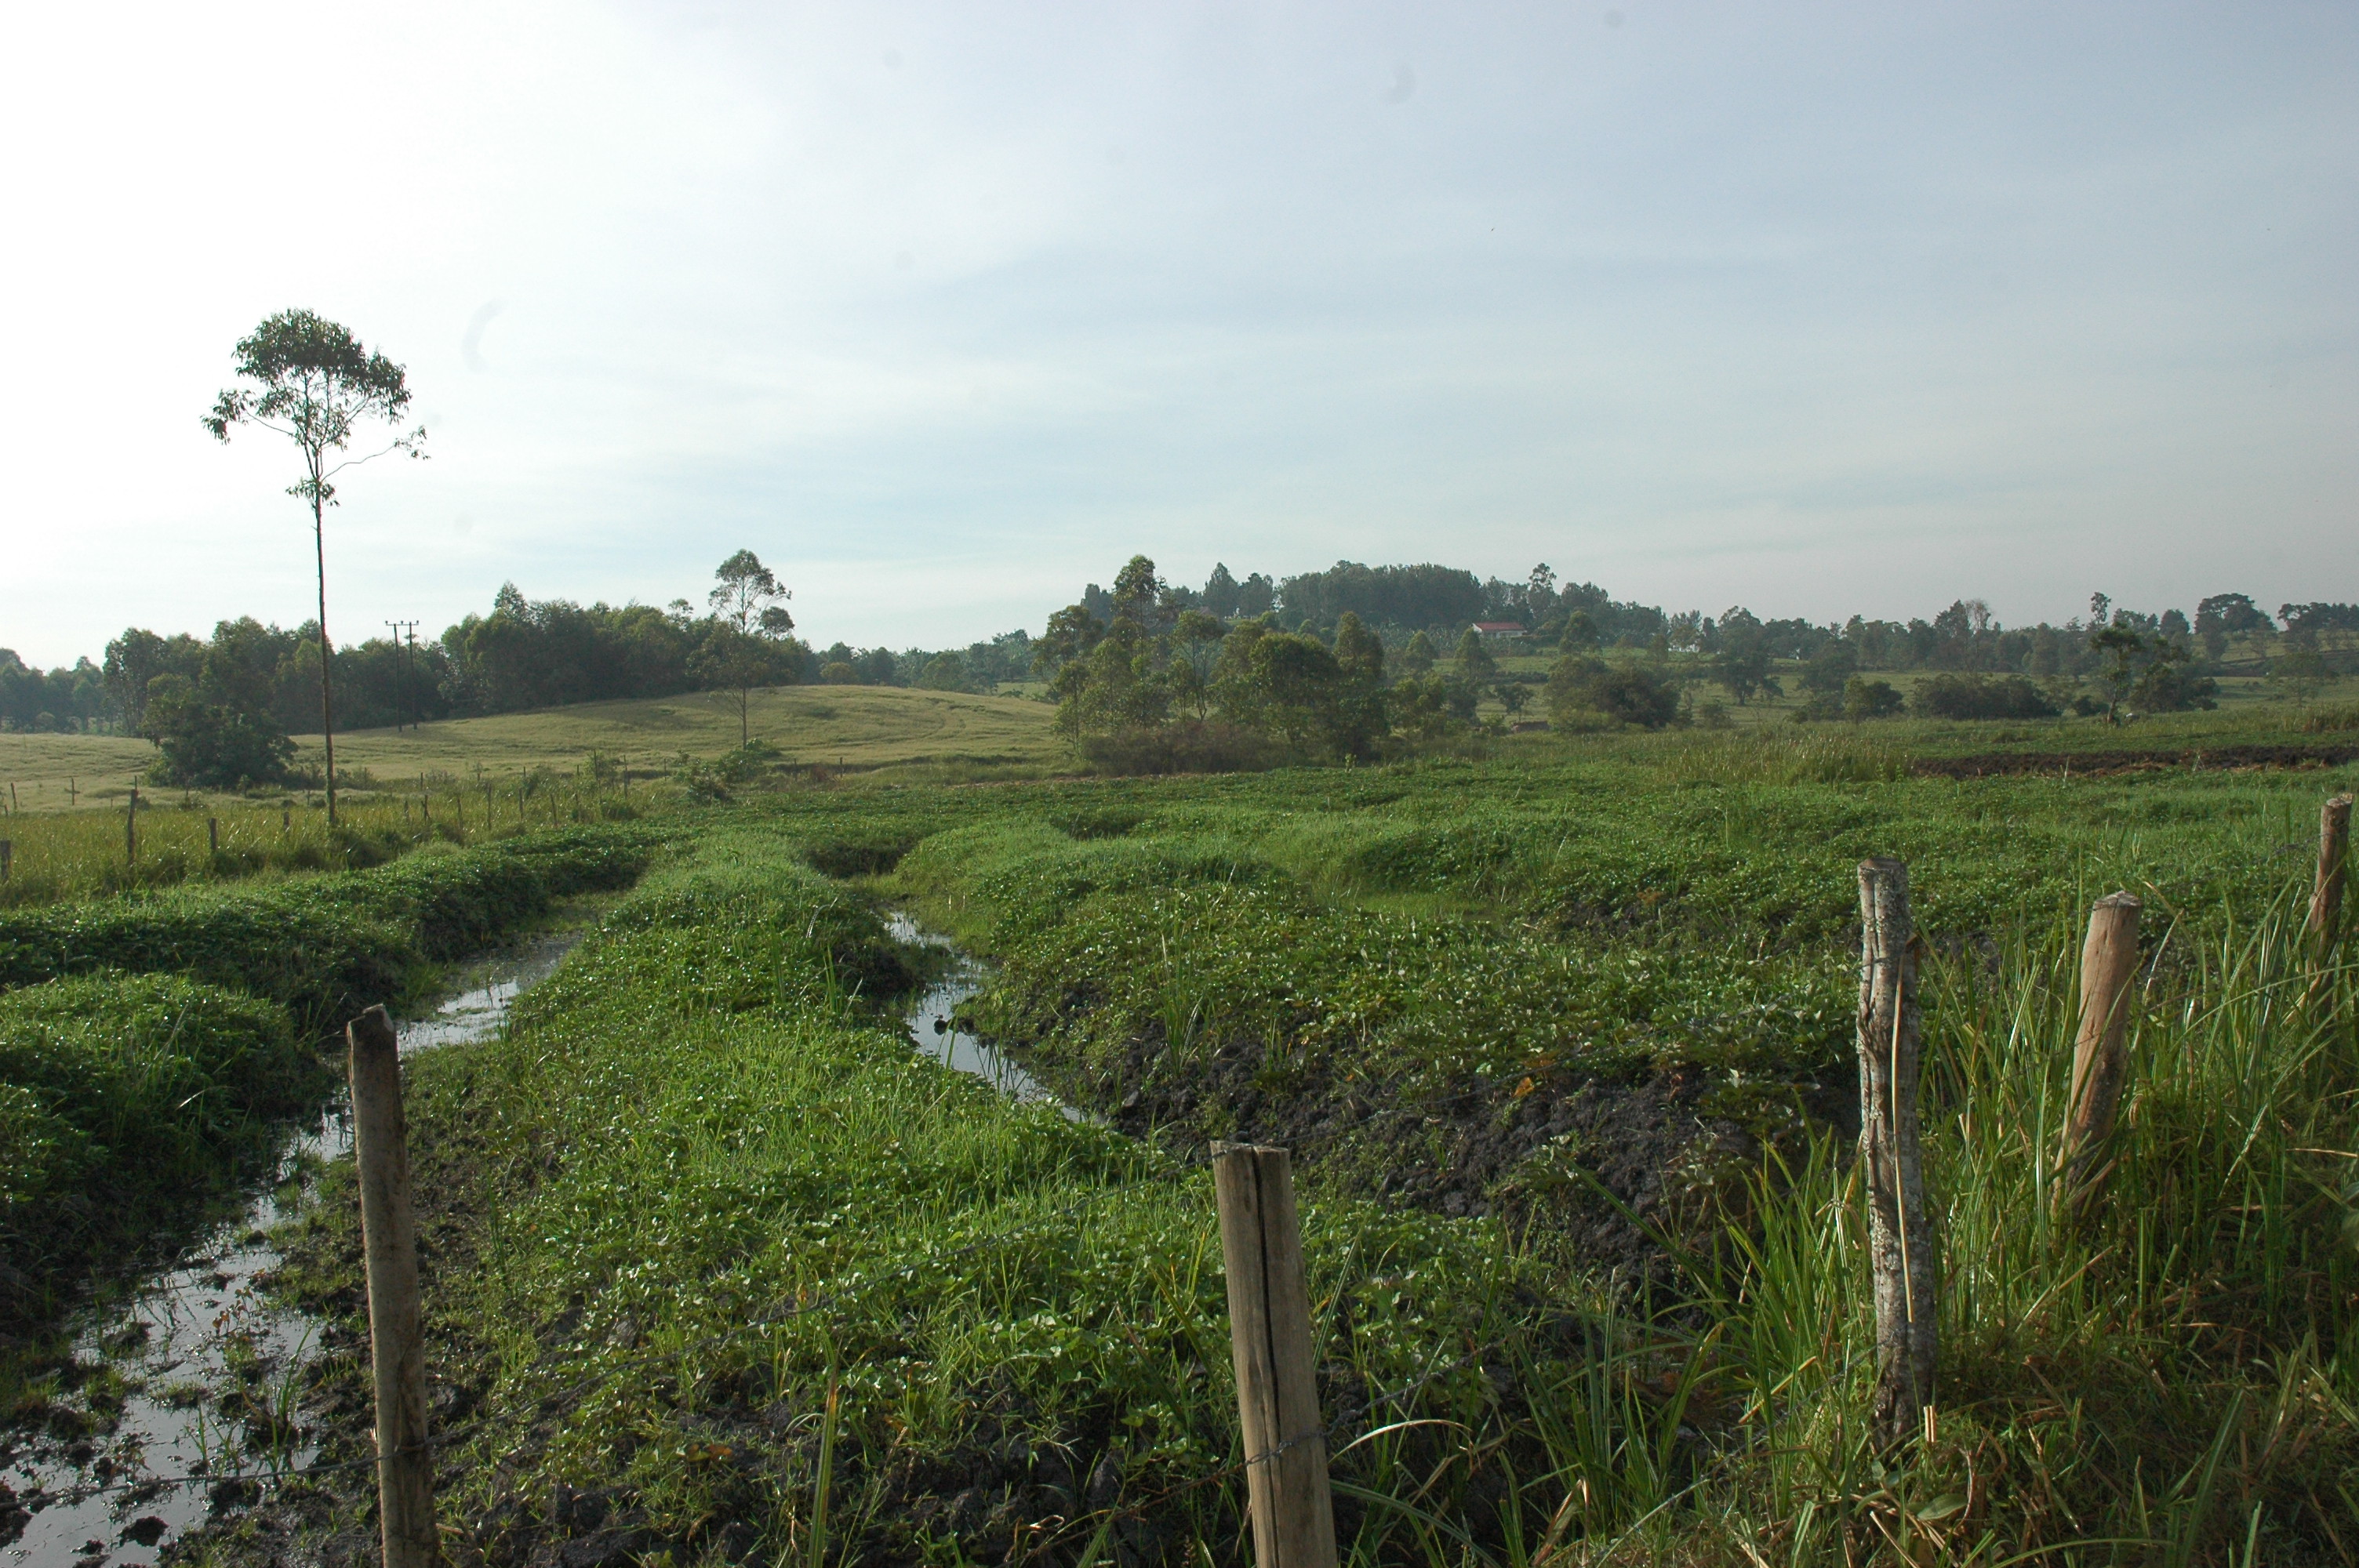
[
  {"x": 205, "y": 1367},
  {"x": 932, "y": 1023}
]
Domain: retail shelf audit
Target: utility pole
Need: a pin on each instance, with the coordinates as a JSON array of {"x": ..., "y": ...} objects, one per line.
[
  {"x": 416, "y": 708},
  {"x": 404, "y": 651}
]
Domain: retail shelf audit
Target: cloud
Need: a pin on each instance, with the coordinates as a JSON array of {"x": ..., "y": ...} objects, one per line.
[{"x": 947, "y": 312}]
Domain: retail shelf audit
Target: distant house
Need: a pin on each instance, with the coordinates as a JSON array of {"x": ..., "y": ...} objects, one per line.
[{"x": 1499, "y": 630}]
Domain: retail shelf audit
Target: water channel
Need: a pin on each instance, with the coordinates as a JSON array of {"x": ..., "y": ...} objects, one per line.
[
  {"x": 185, "y": 1338},
  {"x": 188, "y": 1336},
  {"x": 932, "y": 1021}
]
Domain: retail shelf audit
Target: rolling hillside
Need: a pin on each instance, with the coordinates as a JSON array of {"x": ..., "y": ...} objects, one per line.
[{"x": 861, "y": 726}]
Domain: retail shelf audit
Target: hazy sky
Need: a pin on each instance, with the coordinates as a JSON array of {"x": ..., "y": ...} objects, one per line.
[{"x": 945, "y": 309}]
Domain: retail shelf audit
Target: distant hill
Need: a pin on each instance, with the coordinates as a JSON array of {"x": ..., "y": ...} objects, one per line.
[{"x": 859, "y": 727}]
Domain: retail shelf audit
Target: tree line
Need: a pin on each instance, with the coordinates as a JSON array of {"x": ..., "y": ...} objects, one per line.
[
  {"x": 1149, "y": 674},
  {"x": 252, "y": 685}
]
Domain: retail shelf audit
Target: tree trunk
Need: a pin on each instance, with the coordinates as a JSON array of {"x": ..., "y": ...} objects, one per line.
[{"x": 327, "y": 700}]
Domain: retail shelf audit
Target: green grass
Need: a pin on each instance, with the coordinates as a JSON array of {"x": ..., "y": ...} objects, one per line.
[
  {"x": 323, "y": 947},
  {"x": 693, "y": 1192},
  {"x": 1561, "y": 1041},
  {"x": 151, "y": 1042},
  {"x": 859, "y": 727},
  {"x": 124, "y": 1099}
]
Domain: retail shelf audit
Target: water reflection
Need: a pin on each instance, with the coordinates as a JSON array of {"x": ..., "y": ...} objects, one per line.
[{"x": 932, "y": 1023}]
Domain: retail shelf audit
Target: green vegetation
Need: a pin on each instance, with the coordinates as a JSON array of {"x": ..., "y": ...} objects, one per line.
[
  {"x": 150, "y": 1045},
  {"x": 991, "y": 1315},
  {"x": 1564, "y": 1053},
  {"x": 125, "y": 1100},
  {"x": 1561, "y": 1035},
  {"x": 322, "y": 947}
]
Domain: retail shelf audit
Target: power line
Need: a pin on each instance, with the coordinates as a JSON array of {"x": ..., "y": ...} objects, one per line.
[{"x": 407, "y": 695}]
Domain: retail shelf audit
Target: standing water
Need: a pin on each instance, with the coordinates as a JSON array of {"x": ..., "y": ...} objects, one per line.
[
  {"x": 189, "y": 1385},
  {"x": 933, "y": 1023}
]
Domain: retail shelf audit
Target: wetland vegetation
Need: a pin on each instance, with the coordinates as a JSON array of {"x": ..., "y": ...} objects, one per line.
[{"x": 720, "y": 1263}]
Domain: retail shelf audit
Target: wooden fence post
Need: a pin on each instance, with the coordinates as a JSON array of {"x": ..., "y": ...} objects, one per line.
[
  {"x": 2100, "y": 1058},
  {"x": 1899, "y": 1231},
  {"x": 1269, "y": 1337},
  {"x": 131, "y": 830},
  {"x": 213, "y": 835},
  {"x": 2326, "y": 892},
  {"x": 405, "y": 1465}
]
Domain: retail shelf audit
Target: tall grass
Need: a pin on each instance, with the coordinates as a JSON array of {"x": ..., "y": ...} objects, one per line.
[
  {"x": 2167, "y": 1380},
  {"x": 1830, "y": 756},
  {"x": 84, "y": 854}
]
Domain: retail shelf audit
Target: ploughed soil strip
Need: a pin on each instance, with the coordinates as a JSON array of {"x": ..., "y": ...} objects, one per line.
[{"x": 1988, "y": 764}]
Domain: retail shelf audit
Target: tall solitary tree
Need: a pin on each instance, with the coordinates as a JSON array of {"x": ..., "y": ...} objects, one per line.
[
  {"x": 747, "y": 646},
  {"x": 310, "y": 380}
]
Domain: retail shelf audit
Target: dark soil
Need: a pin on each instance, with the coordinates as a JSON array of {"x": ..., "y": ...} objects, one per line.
[
  {"x": 1611, "y": 1169},
  {"x": 1990, "y": 764}
]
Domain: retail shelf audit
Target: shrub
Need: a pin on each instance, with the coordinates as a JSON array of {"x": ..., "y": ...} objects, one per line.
[
  {"x": 1981, "y": 697},
  {"x": 1625, "y": 692},
  {"x": 2171, "y": 687},
  {"x": 1206, "y": 747},
  {"x": 1870, "y": 699}
]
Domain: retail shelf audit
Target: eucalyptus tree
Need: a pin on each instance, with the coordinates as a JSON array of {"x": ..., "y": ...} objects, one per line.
[
  {"x": 746, "y": 646},
  {"x": 310, "y": 380}
]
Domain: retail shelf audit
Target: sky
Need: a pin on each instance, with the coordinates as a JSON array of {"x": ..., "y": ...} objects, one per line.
[{"x": 946, "y": 310}]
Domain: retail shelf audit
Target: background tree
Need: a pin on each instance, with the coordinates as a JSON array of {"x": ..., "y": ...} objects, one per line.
[
  {"x": 1584, "y": 692},
  {"x": 747, "y": 596},
  {"x": 1828, "y": 672},
  {"x": 747, "y": 648},
  {"x": 1865, "y": 698},
  {"x": 310, "y": 381},
  {"x": 1419, "y": 656},
  {"x": 1360, "y": 656},
  {"x": 1474, "y": 660},
  {"x": 2296, "y": 670},
  {"x": 1743, "y": 660},
  {"x": 1220, "y": 591},
  {"x": 132, "y": 661},
  {"x": 943, "y": 672},
  {"x": 2120, "y": 646}
]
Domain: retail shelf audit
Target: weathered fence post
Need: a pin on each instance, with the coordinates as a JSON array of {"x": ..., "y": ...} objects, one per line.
[
  {"x": 2326, "y": 892},
  {"x": 2100, "y": 1059},
  {"x": 405, "y": 1485},
  {"x": 1269, "y": 1337},
  {"x": 131, "y": 830},
  {"x": 213, "y": 835},
  {"x": 1900, "y": 1230}
]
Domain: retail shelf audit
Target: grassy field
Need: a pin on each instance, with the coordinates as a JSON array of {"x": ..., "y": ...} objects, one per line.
[
  {"x": 1561, "y": 1042},
  {"x": 720, "y": 1267},
  {"x": 854, "y": 727}
]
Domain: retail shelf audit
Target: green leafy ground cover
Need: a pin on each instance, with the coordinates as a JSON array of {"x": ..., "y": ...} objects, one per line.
[
  {"x": 1562, "y": 1051},
  {"x": 152, "y": 1045},
  {"x": 323, "y": 947},
  {"x": 697, "y": 1222},
  {"x": 120, "y": 1096}
]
